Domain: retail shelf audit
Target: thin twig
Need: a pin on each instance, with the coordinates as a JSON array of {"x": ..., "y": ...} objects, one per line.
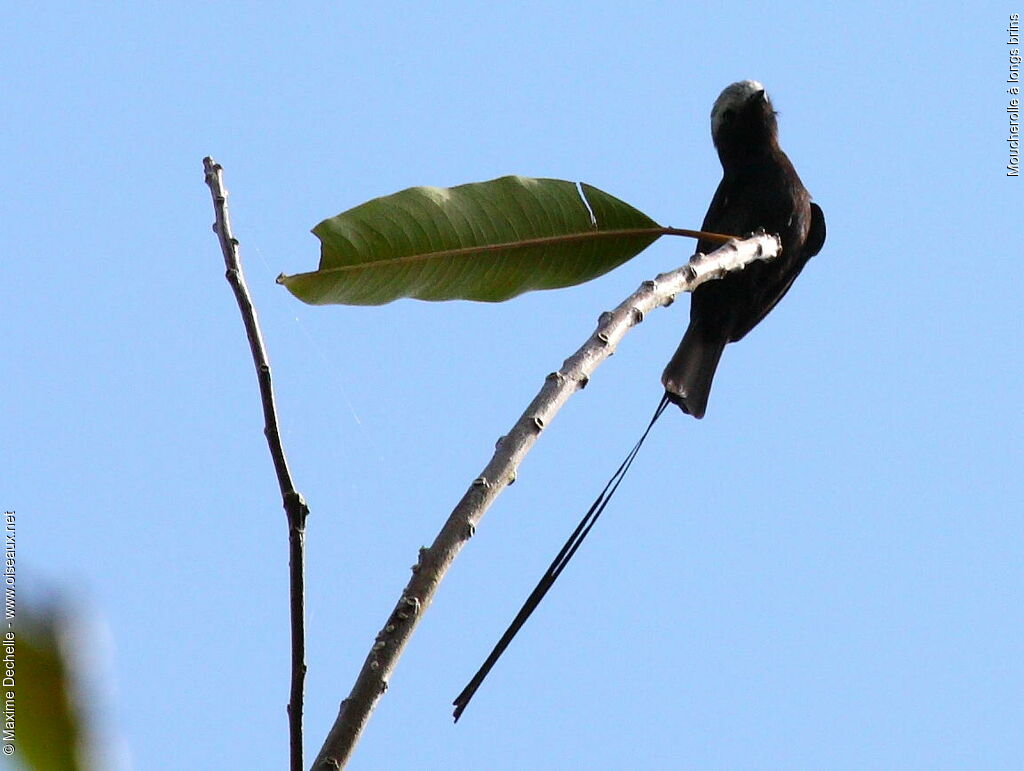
[
  {"x": 434, "y": 562},
  {"x": 294, "y": 504}
]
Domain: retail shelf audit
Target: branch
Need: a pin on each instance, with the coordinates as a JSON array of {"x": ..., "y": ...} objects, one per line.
[
  {"x": 434, "y": 562},
  {"x": 294, "y": 504}
]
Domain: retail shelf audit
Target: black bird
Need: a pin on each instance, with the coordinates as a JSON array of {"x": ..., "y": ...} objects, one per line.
[{"x": 759, "y": 189}]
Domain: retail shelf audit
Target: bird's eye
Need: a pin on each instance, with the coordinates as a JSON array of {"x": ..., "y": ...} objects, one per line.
[{"x": 728, "y": 115}]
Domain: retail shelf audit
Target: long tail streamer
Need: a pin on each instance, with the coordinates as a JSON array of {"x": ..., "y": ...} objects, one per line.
[{"x": 556, "y": 567}]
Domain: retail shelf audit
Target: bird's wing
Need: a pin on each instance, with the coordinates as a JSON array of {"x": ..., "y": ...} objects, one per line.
[
  {"x": 767, "y": 294},
  {"x": 768, "y": 297},
  {"x": 720, "y": 218},
  {"x": 816, "y": 233}
]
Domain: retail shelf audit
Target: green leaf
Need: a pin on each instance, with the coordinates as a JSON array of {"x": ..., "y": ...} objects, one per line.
[
  {"x": 482, "y": 241},
  {"x": 50, "y": 726}
]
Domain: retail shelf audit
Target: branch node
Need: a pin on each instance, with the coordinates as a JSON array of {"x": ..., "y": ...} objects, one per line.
[
  {"x": 294, "y": 501},
  {"x": 419, "y": 559},
  {"x": 480, "y": 482},
  {"x": 538, "y": 422}
]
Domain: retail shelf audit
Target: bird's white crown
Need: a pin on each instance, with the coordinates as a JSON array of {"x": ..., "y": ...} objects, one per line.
[{"x": 732, "y": 97}]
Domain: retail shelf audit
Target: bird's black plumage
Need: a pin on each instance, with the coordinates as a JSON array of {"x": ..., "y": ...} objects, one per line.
[{"x": 759, "y": 189}]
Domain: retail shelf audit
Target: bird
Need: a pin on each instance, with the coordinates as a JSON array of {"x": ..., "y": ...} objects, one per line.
[{"x": 760, "y": 190}]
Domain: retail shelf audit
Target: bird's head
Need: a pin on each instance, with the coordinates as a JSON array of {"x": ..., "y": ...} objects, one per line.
[{"x": 743, "y": 120}]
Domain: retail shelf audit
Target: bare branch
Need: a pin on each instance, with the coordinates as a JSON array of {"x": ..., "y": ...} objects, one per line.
[
  {"x": 294, "y": 504},
  {"x": 434, "y": 562}
]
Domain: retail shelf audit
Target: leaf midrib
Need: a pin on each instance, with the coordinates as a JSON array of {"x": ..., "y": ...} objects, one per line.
[{"x": 508, "y": 246}]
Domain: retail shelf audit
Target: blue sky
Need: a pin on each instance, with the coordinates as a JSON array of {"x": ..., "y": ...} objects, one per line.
[{"x": 823, "y": 573}]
